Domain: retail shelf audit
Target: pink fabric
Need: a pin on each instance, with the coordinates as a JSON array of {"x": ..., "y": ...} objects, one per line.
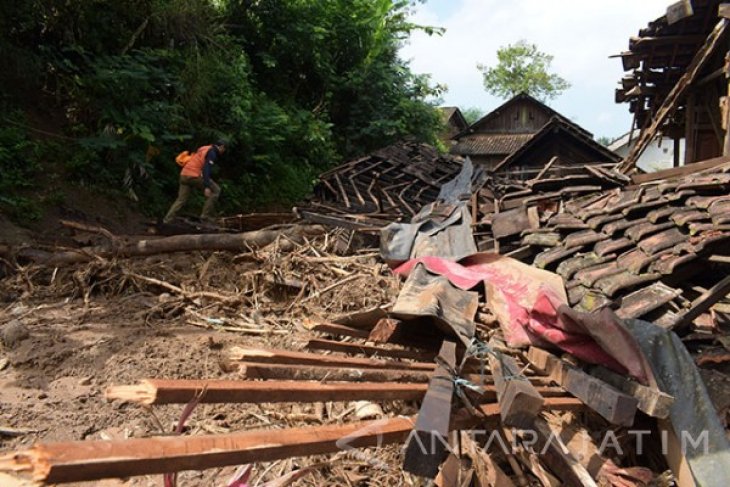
[{"x": 527, "y": 303}]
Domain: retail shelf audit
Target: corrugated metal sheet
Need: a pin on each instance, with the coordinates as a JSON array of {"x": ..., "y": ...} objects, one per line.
[{"x": 485, "y": 144}]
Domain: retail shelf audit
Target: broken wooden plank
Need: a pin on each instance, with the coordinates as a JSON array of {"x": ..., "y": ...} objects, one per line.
[
  {"x": 329, "y": 373},
  {"x": 486, "y": 470},
  {"x": 368, "y": 350},
  {"x": 558, "y": 458},
  {"x": 166, "y": 391},
  {"x": 273, "y": 356},
  {"x": 677, "y": 172},
  {"x": 703, "y": 303},
  {"x": 78, "y": 461},
  {"x": 651, "y": 401},
  {"x": 428, "y": 445},
  {"x": 519, "y": 402},
  {"x": 615, "y": 406}
]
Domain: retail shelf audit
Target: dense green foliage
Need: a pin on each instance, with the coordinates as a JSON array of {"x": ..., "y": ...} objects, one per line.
[
  {"x": 522, "y": 68},
  {"x": 472, "y": 114},
  {"x": 117, "y": 88}
]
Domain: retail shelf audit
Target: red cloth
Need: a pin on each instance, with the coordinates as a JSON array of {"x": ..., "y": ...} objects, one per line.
[{"x": 531, "y": 307}]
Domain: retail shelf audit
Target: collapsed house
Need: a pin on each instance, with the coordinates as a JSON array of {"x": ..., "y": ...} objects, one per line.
[
  {"x": 517, "y": 139},
  {"x": 677, "y": 81}
]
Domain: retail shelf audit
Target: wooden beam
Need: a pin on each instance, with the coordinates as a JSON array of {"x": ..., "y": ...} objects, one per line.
[
  {"x": 164, "y": 391},
  {"x": 519, "y": 402},
  {"x": 486, "y": 470},
  {"x": 670, "y": 103},
  {"x": 400, "y": 334},
  {"x": 250, "y": 370},
  {"x": 273, "y": 356},
  {"x": 651, "y": 401},
  {"x": 427, "y": 447},
  {"x": 368, "y": 350},
  {"x": 615, "y": 406},
  {"x": 703, "y": 303},
  {"x": 78, "y": 461},
  {"x": 677, "y": 172}
]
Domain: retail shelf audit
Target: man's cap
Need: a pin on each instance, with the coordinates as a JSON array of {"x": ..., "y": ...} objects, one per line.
[{"x": 220, "y": 142}]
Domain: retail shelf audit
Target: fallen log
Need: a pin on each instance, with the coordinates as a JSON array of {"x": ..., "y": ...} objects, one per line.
[
  {"x": 162, "y": 391},
  {"x": 235, "y": 242},
  {"x": 77, "y": 461}
]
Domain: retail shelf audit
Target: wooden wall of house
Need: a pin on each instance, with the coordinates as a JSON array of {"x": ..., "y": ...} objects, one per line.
[
  {"x": 568, "y": 150},
  {"x": 520, "y": 117}
]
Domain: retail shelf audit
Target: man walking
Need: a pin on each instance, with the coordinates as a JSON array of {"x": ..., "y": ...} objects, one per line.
[{"x": 196, "y": 174}]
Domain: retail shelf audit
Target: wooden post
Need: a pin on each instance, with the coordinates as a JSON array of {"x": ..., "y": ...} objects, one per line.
[
  {"x": 689, "y": 129},
  {"x": 519, "y": 402}
]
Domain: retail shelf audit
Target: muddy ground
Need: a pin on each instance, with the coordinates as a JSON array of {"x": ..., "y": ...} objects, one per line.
[{"x": 69, "y": 334}]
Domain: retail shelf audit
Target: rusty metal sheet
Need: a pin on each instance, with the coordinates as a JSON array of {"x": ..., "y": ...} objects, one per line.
[
  {"x": 510, "y": 222},
  {"x": 663, "y": 240},
  {"x": 453, "y": 242},
  {"x": 645, "y": 300},
  {"x": 428, "y": 295}
]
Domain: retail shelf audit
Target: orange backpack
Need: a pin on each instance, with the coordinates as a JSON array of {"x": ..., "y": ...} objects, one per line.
[{"x": 183, "y": 158}]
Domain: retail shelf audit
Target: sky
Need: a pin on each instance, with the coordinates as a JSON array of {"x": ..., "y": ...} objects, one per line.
[{"x": 580, "y": 34}]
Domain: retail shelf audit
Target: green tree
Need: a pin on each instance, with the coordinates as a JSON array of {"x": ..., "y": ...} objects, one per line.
[
  {"x": 472, "y": 114},
  {"x": 604, "y": 140},
  {"x": 522, "y": 67},
  {"x": 296, "y": 86}
]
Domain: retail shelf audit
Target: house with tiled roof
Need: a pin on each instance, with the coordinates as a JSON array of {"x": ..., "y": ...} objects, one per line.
[
  {"x": 454, "y": 123},
  {"x": 521, "y": 136}
]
